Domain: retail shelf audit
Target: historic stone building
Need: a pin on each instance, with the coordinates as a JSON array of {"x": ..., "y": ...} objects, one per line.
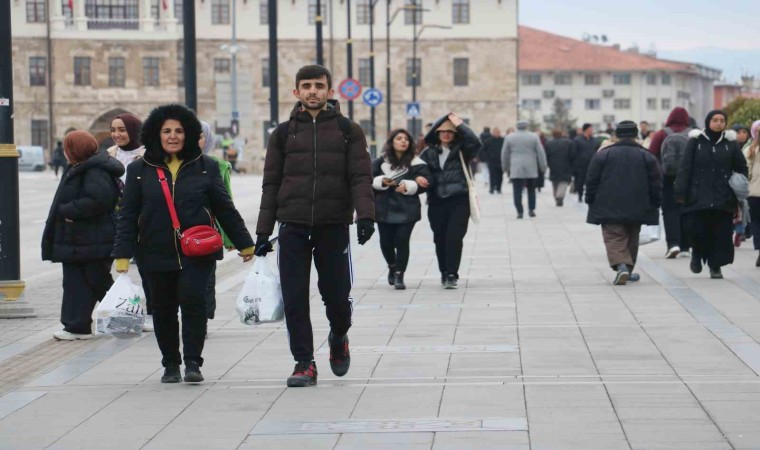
[{"x": 81, "y": 62}]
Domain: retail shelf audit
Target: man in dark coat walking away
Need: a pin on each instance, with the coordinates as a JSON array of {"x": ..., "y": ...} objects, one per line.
[
  {"x": 559, "y": 156},
  {"x": 623, "y": 192},
  {"x": 585, "y": 147},
  {"x": 491, "y": 154}
]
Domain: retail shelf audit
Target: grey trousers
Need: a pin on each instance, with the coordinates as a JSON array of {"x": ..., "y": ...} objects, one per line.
[{"x": 622, "y": 243}]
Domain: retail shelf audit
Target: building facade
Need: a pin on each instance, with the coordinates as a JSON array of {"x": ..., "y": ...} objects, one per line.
[
  {"x": 78, "y": 63},
  {"x": 603, "y": 85}
]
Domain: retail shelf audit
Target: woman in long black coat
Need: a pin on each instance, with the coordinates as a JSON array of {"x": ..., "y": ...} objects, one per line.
[
  {"x": 80, "y": 231},
  {"x": 708, "y": 202}
]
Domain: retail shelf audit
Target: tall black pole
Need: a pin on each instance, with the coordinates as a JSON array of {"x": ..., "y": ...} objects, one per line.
[
  {"x": 318, "y": 22},
  {"x": 414, "y": 64},
  {"x": 350, "y": 57},
  {"x": 191, "y": 83},
  {"x": 388, "y": 66},
  {"x": 274, "y": 106},
  {"x": 373, "y": 134}
]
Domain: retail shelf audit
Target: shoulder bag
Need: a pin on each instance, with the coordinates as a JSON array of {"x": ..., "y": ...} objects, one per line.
[{"x": 473, "y": 193}]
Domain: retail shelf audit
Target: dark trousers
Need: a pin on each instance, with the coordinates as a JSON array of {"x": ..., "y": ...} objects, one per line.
[
  {"x": 448, "y": 219},
  {"x": 211, "y": 294},
  {"x": 671, "y": 215},
  {"x": 332, "y": 258},
  {"x": 622, "y": 244},
  {"x": 579, "y": 188},
  {"x": 517, "y": 189},
  {"x": 710, "y": 232},
  {"x": 185, "y": 289},
  {"x": 394, "y": 243},
  {"x": 754, "y": 216},
  {"x": 84, "y": 284},
  {"x": 146, "y": 289},
  {"x": 496, "y": 177}
]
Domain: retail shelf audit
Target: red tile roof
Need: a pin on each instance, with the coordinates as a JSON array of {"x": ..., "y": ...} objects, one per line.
[{"x": 541, "y": 51}]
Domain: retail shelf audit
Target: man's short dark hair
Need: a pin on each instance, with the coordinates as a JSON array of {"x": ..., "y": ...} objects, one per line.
[
  {"x": 643, "y": 122},
  {"x": 586, "y": 126},
  {"x": 313, "y": 72}
]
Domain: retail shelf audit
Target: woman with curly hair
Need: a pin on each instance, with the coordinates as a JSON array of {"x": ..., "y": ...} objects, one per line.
[
  {"x": 399, "y": 179},
  {"x": 171, "y": 135}
]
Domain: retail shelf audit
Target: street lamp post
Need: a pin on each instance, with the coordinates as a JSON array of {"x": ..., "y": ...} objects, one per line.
[
  {"x": 318, "y": 23},
  {"x": 415, "y": 66},
  {"x": 350, "y": 56},
  {"x": 274, "y": 106},
  {"x": 191, "y": 82},
  {"x": 373, "y": 134}
]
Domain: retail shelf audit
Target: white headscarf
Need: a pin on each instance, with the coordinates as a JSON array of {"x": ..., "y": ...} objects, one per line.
[{"x": 208, "y": 133}]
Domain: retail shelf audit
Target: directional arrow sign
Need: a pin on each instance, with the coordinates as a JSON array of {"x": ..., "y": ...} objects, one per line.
[{"x": 372, "y": 97}]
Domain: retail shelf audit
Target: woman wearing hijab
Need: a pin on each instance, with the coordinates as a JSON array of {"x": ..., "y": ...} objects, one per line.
[
  {"x": 79, "y": 231},
  {"x": 709, "y": 204},
  {"x": 753, "y": 163},
  {"x": 173, "y": 157}
]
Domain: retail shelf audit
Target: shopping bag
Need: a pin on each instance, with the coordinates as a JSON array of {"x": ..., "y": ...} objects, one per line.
[
  {"x": 260, "y": 300},
  {"x": 472, "y": 193},
  {"x": 122, "y": 310},
  {"x": 649, "y": 234}
]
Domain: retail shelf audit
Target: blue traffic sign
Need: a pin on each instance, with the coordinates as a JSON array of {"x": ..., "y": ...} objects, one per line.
[
  {"x": 372, "y": 97},
  {"x": 413, "y": 109}
]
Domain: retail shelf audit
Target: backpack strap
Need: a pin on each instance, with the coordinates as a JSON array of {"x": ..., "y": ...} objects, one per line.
[
  {"x": 346, "y": 127},
  {"x": 283, "y": 130}
]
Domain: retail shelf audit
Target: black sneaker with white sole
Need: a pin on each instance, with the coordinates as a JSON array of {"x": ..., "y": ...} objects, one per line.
[
  {"x": 171, "y": 375},
  {"x": 304, "y": 374},
  {"x": 193, "y": 373},
  {"x": 451, "y": 282}
]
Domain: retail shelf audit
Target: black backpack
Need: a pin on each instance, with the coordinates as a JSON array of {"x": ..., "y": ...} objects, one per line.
[
  {"x": 672, "y": 149},
  {"x": 284, "y": 130}
]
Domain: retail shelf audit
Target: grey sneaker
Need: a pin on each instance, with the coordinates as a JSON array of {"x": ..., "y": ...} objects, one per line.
[
  {"x": 451, "y": 282},
  {"x": 622, "y": 275}
]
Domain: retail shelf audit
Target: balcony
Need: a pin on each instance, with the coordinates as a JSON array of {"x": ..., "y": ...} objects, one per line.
[{"x": 113, "y": 24}]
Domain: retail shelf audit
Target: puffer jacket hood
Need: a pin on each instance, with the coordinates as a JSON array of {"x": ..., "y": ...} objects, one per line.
[
  {"x": 431, "y": 138},
  {"x": 151, "y": 133},
  {"x": 100, "y": 160},
  {"x": 679, "y": 116}
]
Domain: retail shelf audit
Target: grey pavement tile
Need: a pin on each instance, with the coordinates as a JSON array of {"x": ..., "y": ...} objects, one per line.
[
  {"x": 290, "y": 442},
  {"x": 481, "y": 440},
  {"x": 655, "y": 445},
  {"x": 576, "y": 440},
  {"x": 401, "y": 438},
  {"x": 482, "y": 401},
  {"x": 398, "y": 402}
]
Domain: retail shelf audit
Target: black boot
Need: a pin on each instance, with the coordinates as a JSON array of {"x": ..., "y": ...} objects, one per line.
[
  {"x": 391, "y": 275},
  {"x": 171, "y": 375},
  {"x": 757, "y": 261},
  {"x": 696, "y": 262},
  {"x": 399, "y": 281},
  {"x": 193, "y": 372}
]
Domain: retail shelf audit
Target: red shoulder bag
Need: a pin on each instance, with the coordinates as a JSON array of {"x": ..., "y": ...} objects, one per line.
[{"x": 200, "y": 240}]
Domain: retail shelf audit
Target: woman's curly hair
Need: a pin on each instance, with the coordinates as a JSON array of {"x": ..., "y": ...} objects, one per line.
[
  {"x": 390, "y": 154},
  {"x": 151, "y": 132}
]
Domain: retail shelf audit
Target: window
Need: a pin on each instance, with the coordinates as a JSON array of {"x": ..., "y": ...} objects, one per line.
[
  {"x": 178, "y": 11},
  {"x": 563, "y": 79},
  {"x": 621, "y": 103},
  {"x": 608, "y": 118},
  {"x": 265, "y": 72},
  {"x": 220, "y": 12},
  {"x": 460, "y": 11},
  {"x": 155, "y": 10},
  {"x": 263, "y": 12},
  {"x": 651, "y": 79},
  {"x": 413, "y": 13},
  {"x": 150, "y": 71},
  {"x": 40, "y": 133},
  {"x": 181, "y": 63},
  {"x": 531, "y": 79},
  {"x": 593, "y": 103},
  {"x": 548, "y": 94},
  {"x": 531, "y": 104},
  {"x": 608, "y": 93},
  {"x": 568, "y": 104},
  {"x": 364, "y": 72},
  {"x": 35, "y": 11},
  {"x": 112, "y": 14},
  {"x": 666, "y": 104},
  {"x": 362, "y": 12},
  {"x": 651, "y": 103},
  {"x": 117, "y": 73},
  {"x": 366, "y": 126},
  {"x": 81, "y": 71},
  {"x": 461, "y": 71},
  {"x": 666, "y": 79},
  {"x": 313, "y": 12},
  {"x": 593, "y": 79},
  {"x": 37, "y": 71},
  {"x": 68, "y": 14},
  {"x": 412, "y": 74},
  {"x": 683, "y": 95},
  {"x": 221, "y": 65},
  {"x": 621, "y": 78}
]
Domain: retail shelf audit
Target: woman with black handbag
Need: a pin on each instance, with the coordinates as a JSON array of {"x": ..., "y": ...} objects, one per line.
[{"x": 166, "y": 221}]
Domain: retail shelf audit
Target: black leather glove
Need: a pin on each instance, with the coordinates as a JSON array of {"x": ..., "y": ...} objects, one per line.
[
  {"x": 365, "y": 228},
  {"x": 263, "y": 246}
]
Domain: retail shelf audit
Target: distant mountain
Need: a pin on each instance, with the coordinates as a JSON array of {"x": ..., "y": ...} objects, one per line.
[{"x": 733, "y": 63}]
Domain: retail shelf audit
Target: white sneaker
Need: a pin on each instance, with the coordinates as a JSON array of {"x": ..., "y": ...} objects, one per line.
[
  {"x": 673, "y": 252},
  {"x": 148, "y": 325},
  {"x": 64, "y": 335}
]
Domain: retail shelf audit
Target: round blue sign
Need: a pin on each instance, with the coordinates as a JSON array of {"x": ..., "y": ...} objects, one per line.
[{"x": 372, "y": 97}]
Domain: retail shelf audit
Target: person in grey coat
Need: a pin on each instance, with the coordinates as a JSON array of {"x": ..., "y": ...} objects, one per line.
[{"x": 523, "y": 158}]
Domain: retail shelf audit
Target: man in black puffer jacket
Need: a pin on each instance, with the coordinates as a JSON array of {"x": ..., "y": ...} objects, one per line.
[{"x": 623, "y": 191}]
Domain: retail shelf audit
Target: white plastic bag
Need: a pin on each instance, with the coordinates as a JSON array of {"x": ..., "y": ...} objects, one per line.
[
  {"x": 260, "y": 300},
  {"x": 649, "y": 234},
  {"x": 122, "y": 310}
]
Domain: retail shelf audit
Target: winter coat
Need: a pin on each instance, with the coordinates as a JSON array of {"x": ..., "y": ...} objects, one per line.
[
  {"x": 623, "y": 185},
  {"x": 81, "y": 224},
  {"x": 522, "y": 155},
  {"x": 390, "y": 206},
  {"x": 704, "y": 171},
  {"x": 559, "y": 157},
  {"x": 753, "y": 166},
  {"x": 584, "y": 151},
  {"x": 316, "y": 177},
  {"x": 490, "y": 153},
  {"x": 59, "y": 158},
  {"x": 678, "y": 120},
  {"x": 144, "y": 229},
  {"x": 448, "y": 181}
]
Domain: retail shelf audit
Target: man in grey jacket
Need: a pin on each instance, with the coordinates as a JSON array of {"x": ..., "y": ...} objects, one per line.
[{"x": 522, "y": 157}]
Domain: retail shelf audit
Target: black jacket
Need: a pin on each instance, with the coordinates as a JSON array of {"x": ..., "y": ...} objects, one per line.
[
  {"x": 449, "y": 180},
  {"x": 623, "y": 185},
  {"x": 584, "y": 151},
  {"x": 560, "y": 153},
  {"x": 490, "y": 153},
  {"x": 144, "y": 228},
  {"x": 86, "y": 196},
  {"x": 704, "y": 171},
  {"x": 390, "y": 206}
]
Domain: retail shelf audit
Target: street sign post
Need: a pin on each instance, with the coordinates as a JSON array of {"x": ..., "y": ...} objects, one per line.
[
  {"x": 413, "y": 109},
  {"x": 350, "y": 89},
  {"x": 372, "y": 97}
]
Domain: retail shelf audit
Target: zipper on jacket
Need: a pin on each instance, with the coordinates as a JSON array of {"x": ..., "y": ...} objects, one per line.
[{"x": 314, "y": 186}]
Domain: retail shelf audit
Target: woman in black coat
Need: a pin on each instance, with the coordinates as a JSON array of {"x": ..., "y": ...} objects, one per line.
[
  {"x": 398, "y": 179},
  {"x": 80, "y": 230},
  {"x": 59, "y": 158},
  {"x": 170, "y": 135},
  {"x": 708, "y": 203}
]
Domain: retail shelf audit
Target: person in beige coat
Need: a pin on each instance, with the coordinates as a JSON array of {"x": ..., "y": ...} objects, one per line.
[{"x": 753, "y": 165}]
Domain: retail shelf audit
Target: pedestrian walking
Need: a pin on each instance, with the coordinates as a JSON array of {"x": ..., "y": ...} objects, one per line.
[
  {"x": 671, "y": 141},
  {"x": 709, "y": 204},
  {"x": 448, "y": 196},
  {"x": 753, "y": 163},
  {"x": 491, "y": 154},
  {"x": 59, "y": 159},
  {"x": 316, "y": 174},
  {"x": 585, "y": 148},
  {"x": 79, "y": 231},
  {"x": 147, "y": 230},
  {"x": 559, "y": 157},
  {"x": 399, "y": 177},
  {"x": 523, "y": 159},
  {"x": 623, "y": 188},
  {"x": 742, "y": 136}
]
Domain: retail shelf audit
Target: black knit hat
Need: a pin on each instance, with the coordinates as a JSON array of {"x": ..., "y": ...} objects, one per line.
[{"x": 626, "y": 129}]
